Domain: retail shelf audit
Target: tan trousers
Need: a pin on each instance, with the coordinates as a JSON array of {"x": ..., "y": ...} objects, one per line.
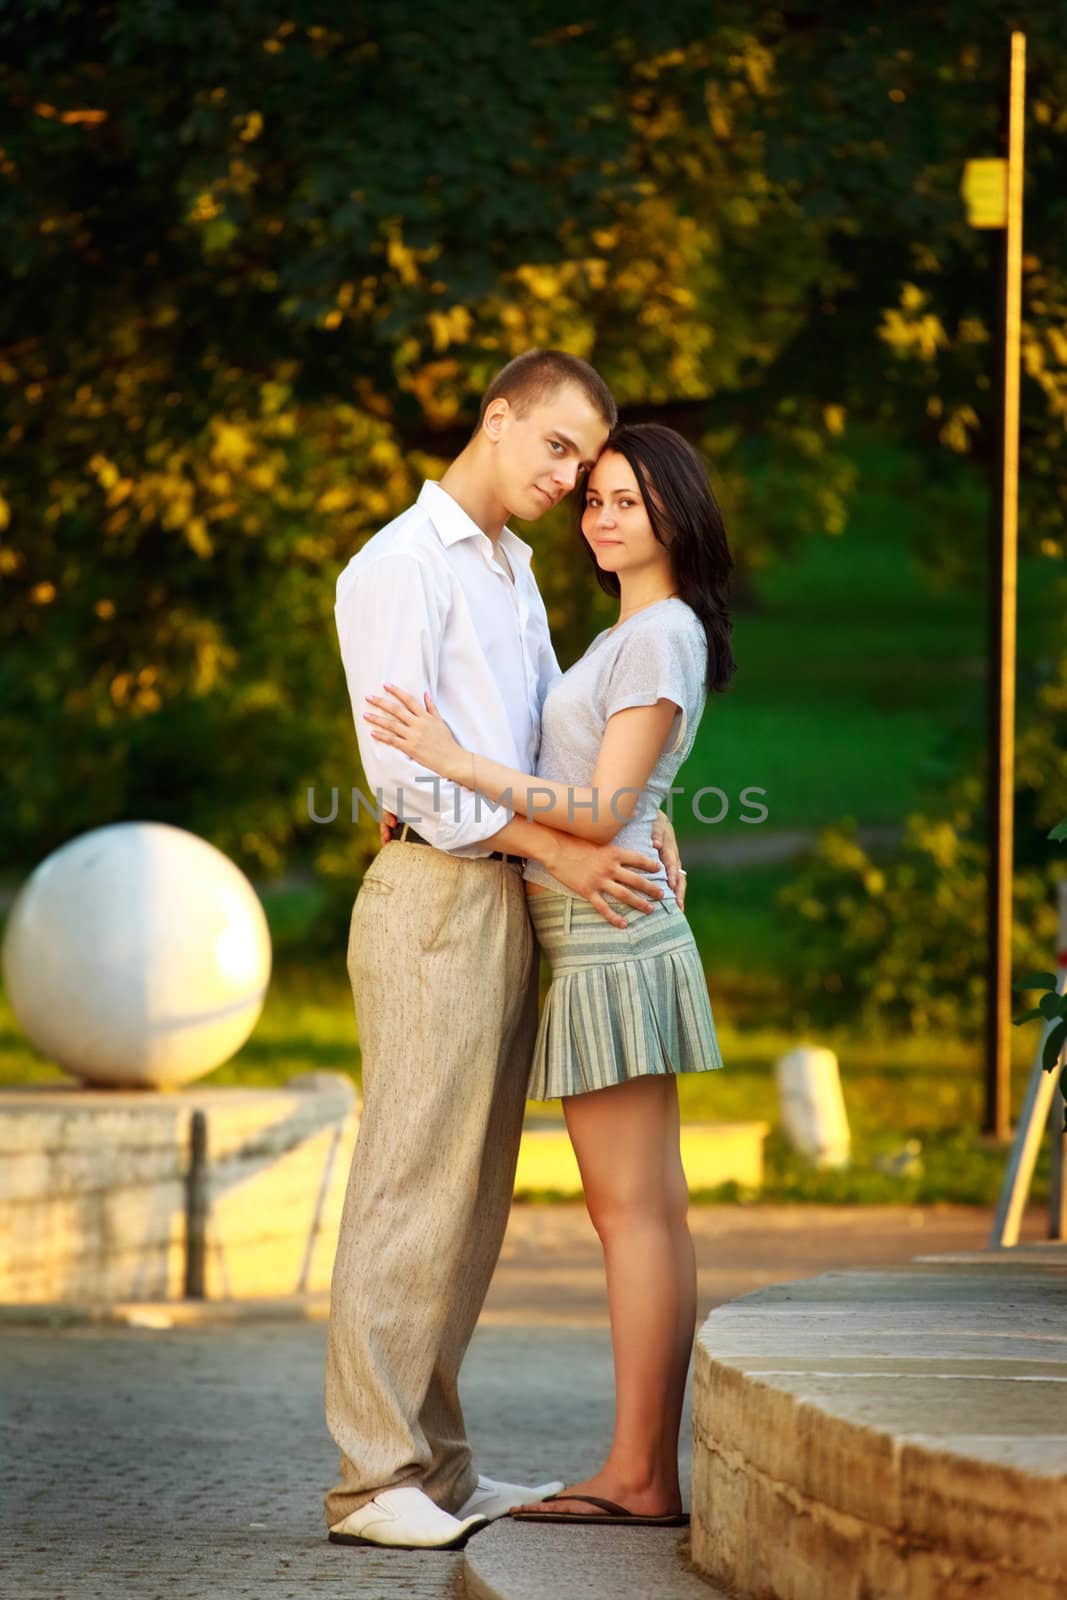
[{"x": 441, "y": 957}]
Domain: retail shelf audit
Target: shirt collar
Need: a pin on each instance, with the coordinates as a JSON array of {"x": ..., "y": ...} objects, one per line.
[
  {"x": 453, "y": 524},
  {"x": 516, "y": 547}
]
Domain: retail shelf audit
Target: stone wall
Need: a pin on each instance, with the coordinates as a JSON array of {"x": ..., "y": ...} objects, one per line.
[
  {"x": 98, "y": 1188},
  {"x": 899, "y": 1434}
]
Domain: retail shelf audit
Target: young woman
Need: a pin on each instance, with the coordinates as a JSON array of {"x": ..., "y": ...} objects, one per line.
[{"x": 628, "y": 1008}]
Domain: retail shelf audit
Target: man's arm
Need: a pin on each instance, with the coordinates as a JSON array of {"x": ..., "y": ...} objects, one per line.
[
  {"x": 663, "y": 837},
  {"x": 390, "y": 617},
  {"x": 591, "y": 871}
]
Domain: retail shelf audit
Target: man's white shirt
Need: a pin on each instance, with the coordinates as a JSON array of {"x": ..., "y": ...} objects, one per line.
[{"x": 425, "y": 605}]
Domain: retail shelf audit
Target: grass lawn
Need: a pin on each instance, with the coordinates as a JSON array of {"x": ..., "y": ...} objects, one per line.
[
  {"x": 895, "y": 1089},
  {"x": 852, "y": 674},
  {"x": 853, "y": 671}
]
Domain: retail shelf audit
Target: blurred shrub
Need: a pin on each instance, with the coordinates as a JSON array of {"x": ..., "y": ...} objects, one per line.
[{"x": 903, "y": 942}]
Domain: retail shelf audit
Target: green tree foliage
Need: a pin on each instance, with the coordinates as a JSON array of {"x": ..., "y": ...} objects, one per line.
[{"x": 260, "y": 262}]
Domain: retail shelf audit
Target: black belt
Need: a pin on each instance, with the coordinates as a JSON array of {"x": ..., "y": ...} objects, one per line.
[{"x": 407, "y": 835}]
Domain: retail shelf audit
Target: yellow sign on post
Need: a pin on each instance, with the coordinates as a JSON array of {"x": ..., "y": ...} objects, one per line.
[{"x": 985, "y": 190}]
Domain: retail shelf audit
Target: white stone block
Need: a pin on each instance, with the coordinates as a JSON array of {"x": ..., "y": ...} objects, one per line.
[
  {"x": 812, "y": 1105},
  {"x": 94, "y": 1190}
]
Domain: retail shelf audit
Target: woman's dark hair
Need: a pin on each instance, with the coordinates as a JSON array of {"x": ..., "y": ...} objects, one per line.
[{"x": 686, "y": 520}]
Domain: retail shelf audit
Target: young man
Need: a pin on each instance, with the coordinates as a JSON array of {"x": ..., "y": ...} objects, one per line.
[{"x": 442, "y": 958}]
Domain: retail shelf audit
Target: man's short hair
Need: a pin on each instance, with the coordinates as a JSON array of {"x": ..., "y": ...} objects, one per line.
[{"x": 537, "y": 374}]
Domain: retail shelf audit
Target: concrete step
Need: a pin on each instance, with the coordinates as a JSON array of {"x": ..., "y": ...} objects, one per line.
[
  {"x": 525, "y": 1561},
  {"x": 903, "y": 1432}
]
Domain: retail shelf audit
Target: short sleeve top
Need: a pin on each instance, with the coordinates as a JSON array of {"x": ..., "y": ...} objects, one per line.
[{"x": 659, "y": 653}]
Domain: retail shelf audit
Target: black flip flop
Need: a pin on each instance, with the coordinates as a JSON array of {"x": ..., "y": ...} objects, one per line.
[{"x": 612, "y": 1515}]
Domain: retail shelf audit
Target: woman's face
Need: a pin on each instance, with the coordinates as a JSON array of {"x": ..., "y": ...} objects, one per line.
[{"x": 615, "y": 521}]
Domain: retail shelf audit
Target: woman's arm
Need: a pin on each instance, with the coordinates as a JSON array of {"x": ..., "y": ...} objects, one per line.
[{"x": 632, "y": 744}]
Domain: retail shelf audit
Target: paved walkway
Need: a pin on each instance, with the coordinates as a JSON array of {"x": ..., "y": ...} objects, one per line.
[{"x": 189, "y": 1463}]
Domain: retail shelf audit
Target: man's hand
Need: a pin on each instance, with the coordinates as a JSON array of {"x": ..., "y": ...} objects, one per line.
[
  {"x": 594, "y": 871},
  {"x": 386, "y": 826},
  {"x": 666, "y": 843}
]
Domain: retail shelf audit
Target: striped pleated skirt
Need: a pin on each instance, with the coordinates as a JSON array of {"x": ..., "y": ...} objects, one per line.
[{"x": 624, "y": 1002}]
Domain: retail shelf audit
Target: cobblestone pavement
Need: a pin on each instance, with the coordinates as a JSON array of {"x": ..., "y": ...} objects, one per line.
[{"x": 190, "y": 1463}]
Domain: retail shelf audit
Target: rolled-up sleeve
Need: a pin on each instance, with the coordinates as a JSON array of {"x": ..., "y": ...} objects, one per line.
[{"x": 390, "y": 625}]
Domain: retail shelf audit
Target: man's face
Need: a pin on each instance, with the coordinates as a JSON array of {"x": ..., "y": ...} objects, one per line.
[{"x": 539, "y": 455}]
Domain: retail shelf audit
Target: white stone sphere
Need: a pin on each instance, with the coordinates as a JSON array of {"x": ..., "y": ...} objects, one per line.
[{"x": 137, "y": 954}]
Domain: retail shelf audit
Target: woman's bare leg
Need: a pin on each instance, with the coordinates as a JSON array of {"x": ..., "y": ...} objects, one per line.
[
  {"x": 626, "y": 1142},
  {"x": 686, "y": 1280}
]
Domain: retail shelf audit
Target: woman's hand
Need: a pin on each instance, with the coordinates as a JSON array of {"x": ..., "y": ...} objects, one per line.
[{"x": 420, "y": 732}]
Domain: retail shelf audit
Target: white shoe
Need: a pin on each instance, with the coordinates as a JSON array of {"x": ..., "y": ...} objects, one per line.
[
  {"x": 492, "y": 1499},
  {"x": 405, "y": 1519}
]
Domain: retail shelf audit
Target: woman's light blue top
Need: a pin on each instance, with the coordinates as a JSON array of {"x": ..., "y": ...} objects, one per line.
[{"x": 658, "y": 653}]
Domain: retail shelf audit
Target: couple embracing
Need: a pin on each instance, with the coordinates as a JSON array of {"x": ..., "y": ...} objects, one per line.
[{"x": 527, "y": 803}]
